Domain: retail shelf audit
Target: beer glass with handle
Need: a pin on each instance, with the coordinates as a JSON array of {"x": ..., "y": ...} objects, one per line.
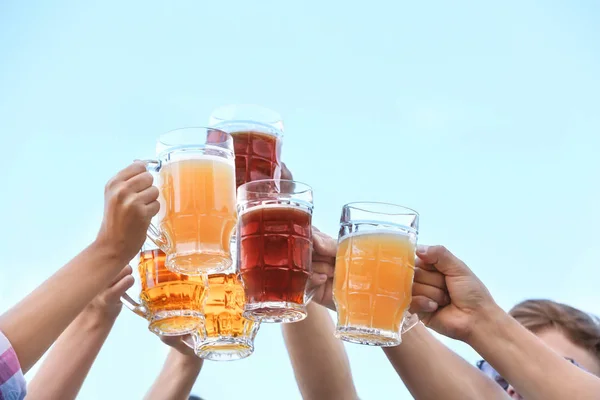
[
  {"x": 225, "y": 335},
  {"x": 374, "y": 272},
  {"x": 172, "y": 303},
  {"x": 257, "y": 138},
  {"x": 274, "y": 246},
  {"x": 196, "y": 180}
]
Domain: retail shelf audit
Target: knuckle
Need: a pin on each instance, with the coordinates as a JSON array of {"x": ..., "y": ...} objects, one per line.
[{"x": 154, "y": 193}]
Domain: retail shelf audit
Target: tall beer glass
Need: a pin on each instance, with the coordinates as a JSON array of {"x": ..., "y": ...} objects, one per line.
[
  {"x": 226, "y": 335},
  {"x": 196, "y": 180},
  {"x": 374, "y": 272},
  {"x": 257, "y": 137},
  {"x": 172, "y": 303},
  {"x": 274, "y": 246}
]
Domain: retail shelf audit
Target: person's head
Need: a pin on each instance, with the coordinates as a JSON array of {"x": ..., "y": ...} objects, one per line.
[{"x": 570, "y": 332}]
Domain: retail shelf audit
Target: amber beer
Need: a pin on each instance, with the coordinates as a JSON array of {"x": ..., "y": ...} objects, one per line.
[
  {"x": 173, "y": 302},
  {"x": 374, "y": 270},
  {"x": 226, "y": 334},
  {"x": 197, "y": 214}
]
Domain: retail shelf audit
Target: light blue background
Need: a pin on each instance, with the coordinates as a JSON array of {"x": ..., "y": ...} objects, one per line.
[{"x": 482, "y": 116}]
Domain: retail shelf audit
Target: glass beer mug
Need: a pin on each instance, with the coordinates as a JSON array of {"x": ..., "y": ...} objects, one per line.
[
  {"x": 225, "y": 335},
  {"x": 195, "y": 176},
  {"x": 172, "y": 303},
  {"x": 257, "y": 138},
  {"x": 374, "y": 271},
  {"x": 274, "y": 247}
]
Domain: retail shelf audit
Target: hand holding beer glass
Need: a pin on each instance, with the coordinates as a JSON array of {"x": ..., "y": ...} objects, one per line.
[
  {"x": 274, "y": 241},
  {"x": 196, "y": 180},
  {"x": 374, "y": 272}
]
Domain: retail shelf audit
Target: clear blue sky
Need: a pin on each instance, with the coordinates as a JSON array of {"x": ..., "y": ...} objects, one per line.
[{"x": 483, "y": 117}]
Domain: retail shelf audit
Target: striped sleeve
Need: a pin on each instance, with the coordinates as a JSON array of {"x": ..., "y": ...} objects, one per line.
[{"x": 12, "y": 382}]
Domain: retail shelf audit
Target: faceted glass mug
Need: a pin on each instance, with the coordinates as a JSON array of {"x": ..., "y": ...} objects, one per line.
[
  {"x": 196, "y": 180},
  {"x": 225, "y": 335},
  {"x": 257, "y": 138},
  {"x": 172, "y": 303},
  {"x": 274, "y": 248},
  {"x": 374, "y": 271}
]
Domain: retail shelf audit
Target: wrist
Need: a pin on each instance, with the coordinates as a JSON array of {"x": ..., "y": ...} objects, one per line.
[
  {"x": 185, "y": 360},
  {"x": 96, "y": 315},
  {"x": 486, "y": 325},
  {"x": 109, "y": 252}
]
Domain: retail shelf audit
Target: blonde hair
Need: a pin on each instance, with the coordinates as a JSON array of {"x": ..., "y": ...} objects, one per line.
[{"x": 581, "y": 328}]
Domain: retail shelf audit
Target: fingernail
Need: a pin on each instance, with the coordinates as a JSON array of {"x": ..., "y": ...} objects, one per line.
[
  {"x": 422, "y": 249},
  {"x": 321, "y": 278},
  {"x": 432, "y": 305}
]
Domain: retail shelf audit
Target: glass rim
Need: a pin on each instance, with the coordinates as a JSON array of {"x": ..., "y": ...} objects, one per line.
[
  {"x": 273, "y": 121},
  {"x": 174, "y": 145},
  {"x": 357, "y": 206},
  {"x": 306, "y": 188}
]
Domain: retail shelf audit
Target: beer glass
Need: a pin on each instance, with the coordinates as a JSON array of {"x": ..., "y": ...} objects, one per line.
[
  {"x": 196, "y": 180},
  {"x": 225, "y": 335},
  {"x": 257, "y": 138},
  {"x": 172, "y": 303},
  {"x": 274, "y": 246},
  {"x": 374, "y": 271}
]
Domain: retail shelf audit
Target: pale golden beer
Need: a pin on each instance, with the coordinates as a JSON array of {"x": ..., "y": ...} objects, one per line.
[
  {"x": 197, "y": 201},
  {"x": 374, "y": 271}
]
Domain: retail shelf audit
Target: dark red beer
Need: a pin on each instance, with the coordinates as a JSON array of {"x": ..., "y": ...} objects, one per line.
[
  {"x": 275, "y": 253},
  {"x": 257, "y": 155}
]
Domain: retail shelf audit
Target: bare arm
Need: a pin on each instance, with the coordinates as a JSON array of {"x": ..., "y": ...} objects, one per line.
[
  {"x": 319, "y": 360},
  {"x": 176, "y": 378},
  {"x": 70, "y": 360},
  {"x": 430, "y": 370},
  {"x": 532, "y": 368},
  {"x": 36, "y": 322}
]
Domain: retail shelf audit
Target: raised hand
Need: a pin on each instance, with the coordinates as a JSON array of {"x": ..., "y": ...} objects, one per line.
[
  {"x": 130, "y": 202},
  {"x": 183, "y": 344},
  {"x": 323, "y": 266},
  {"x": 447, "y": 295},
  {"x": 108, "y": 303}
]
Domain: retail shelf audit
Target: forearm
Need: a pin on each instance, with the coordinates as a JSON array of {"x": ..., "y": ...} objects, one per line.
[
  {"x": 532, "y": 368},
  {"x": 65, "y": 368},
  {"x": 430, "y": 370},
  {"x": 36, "y": 322},
  {"x": 319, "y": 360},
  {"x": 176, "y": 378}
]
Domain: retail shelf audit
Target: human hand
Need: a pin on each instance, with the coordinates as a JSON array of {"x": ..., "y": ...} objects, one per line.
[
  {"x": 108, "y": 303},
  {"x": 323, "y": 267},
  {"x": 130, "y": 202},
  {"x": 460, "y": 298}
]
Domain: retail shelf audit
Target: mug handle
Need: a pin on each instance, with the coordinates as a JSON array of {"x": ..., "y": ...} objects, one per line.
[
  {"x": 134, "y": 306},
  {"x": 153, "y": 233},
  {"x": 408, "y": 322}
]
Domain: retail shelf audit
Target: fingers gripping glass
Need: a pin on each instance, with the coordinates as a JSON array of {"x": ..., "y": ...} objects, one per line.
[{"x": 194, "y": 172}]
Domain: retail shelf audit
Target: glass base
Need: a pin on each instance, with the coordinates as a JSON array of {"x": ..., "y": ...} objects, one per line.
[
  {"x": 195, "y": 263},
  {"x": 224, "y": 348},
  {"x": 275, "y": 311},
  {"x": 368, "y": 336},
  {"x": 175, "y": 323}
]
